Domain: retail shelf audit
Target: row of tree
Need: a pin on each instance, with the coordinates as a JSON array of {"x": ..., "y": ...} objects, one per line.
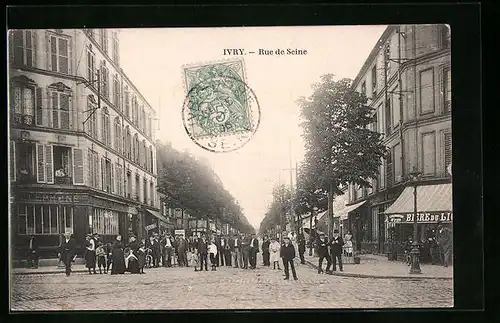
[
  {"x": 192, "y": 185},
  {"x": 340, "y": 147}
]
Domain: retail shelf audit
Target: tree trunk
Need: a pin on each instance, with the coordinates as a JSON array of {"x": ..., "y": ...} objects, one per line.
[
  {"x": 330, "y": 211},
  {"x": 311, "y": 238}
]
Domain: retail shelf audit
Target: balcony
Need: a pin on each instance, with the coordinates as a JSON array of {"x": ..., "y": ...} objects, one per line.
[
  {"x": 64, "y": 180},
  {"x": 18, "y": 118},
  {"x": 25, "y": 178}
]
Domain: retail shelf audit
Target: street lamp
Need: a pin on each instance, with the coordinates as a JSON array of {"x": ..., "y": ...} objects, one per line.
[{"x": 415, "y": 252}]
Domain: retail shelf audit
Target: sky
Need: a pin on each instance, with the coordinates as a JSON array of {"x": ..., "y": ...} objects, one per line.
[{"x": 154, "y": 58}]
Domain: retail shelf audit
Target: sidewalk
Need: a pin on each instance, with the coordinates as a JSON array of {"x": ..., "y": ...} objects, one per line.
[
  {"x": 48, "y": 270},
  {"x": 375, "y": 266}
]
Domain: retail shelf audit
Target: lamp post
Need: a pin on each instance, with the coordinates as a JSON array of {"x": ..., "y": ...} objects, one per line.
[{"x": 415, "y": 252}]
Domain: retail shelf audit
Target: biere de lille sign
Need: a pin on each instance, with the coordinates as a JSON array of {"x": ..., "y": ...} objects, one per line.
[{"x": 425, "y": 217}]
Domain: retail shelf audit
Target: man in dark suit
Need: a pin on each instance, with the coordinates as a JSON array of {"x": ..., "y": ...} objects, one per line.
[
  {"x": 32, "y": 253},
  {"x": 245, "y": 250},
  {"x": 203, "y": 252},
  {"x": 265, "y": 251},
  {"x": 219, "y": 258},
  {"x": 301, "y": 241},
  {"x": 322, "y": 246},
  {"x": 254, "y": 249},
  {"x": 168, "y": 250},
  {"x": 156, "y": 250},
  {"x": 67, "y": 252},
  {"x": 288, "y": 254},
  {"x": 336, "y": 250},
  {"x": 235, "y": 248}
]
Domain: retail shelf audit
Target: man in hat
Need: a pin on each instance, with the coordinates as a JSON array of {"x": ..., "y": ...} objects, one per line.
[
  {"x": 235, "y": 247},
  {"x": 32, "y": 252},
  {"x": 67, "y": 251},
  {"x": 444, "y": 238},
  {"x": 288, "y": 254},
  {"x": 301, "y": 242},
  {"x": 265, "y": 251},
  {"x": 253, "y": 250},
  {"x": 323, "y": 253},
  {"x": 336, "y": 250},
  {"x": 156, "y": 250}
]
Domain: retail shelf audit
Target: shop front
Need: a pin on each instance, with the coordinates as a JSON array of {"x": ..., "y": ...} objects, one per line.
[
  {"x": 153, "y": 222},
  {"x": 434, "y": 205}
]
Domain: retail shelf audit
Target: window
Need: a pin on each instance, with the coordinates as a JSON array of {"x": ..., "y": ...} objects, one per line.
[
  {"x": 135, "y": 112},
  {"x": 60, "y": 104},
  {"x": 128, "y": 187},
  {"x": 44, "y": 162},
  {"x": 107, "y": 175},
  {"x": 389, "y": 173},
  {"x": 375, "y": 223},
  {"x": 94, "y": 169},
  {"x": 374, "y": 80},
  {"x": 135, "y": 147},
  {"x": 397, "y": 161},
  {"x": 78, "y": 167},
  {"x": 151, "y": 192},
  {"x": 103, "y": 39},
  {"x": 387, "y": 57},
  {"x": 429, "y": 153},
  {"x": 118, "y": 135},
  {"x": 151, "y": 160},
  {"x": 396, "y": 112},
  {"x": 116, "y": 48},
  {"x": 146, "y": 193},
  {"x": 91, "y": 123},
  {"x": 23, "y": 45},
  {"x": 116, "y": 91},
  {"x": 106, "y": 133},
  {"x": 91, "y": 70},
  {"x": 143, "y": 153},
  {"x": 23, "y": 104},
  {"x": 127, "y": 102},
  {"x": 388, "y": 118},
  {"x": 363, "y": 88},
  {"x": 25, "y": 161},
  {"x": 62, "y": 165},
  {"x": 105, "y": 82},
  {"x": 447, "y": 89},
  {"x": 445, "y": 36},
  {"x": 40, "y": 219},
  {"x": 119, "y": 179},
  {"x": 105, "y": 222},
  {"x": 59, "y": 54},
  {"x": 149, "y": 127},
  {"x": 137, "y": 187},
  {"x": 143, "y": 119},
  {"x": 447, "y": 151},
  {"x": 67, "y": 216},
  {"x": 128, "y": 143},
  {"x": 426, "y": 91}
]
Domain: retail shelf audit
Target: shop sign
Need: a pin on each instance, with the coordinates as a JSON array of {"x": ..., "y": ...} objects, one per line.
[
  {"x": 47, "y": 197},
  {"x": 151, "y": 227},
  {"x": 180, "y": 232},
  {"x": 424, "y": 217}
]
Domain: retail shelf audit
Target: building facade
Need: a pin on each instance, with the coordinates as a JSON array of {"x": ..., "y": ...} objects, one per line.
[
  {"x": 82, "y": 153},
  {"x": 407, "y": 80}
]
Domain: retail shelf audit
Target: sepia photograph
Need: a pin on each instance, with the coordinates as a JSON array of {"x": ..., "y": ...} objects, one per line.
[{"x": 286, "y": 167}]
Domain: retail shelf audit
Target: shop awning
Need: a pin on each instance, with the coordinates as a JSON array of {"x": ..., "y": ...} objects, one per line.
[
  {"x": 434, "y": 202},
  {"x": 158, "y": 215},
  {"x": 343, "y": 213}
]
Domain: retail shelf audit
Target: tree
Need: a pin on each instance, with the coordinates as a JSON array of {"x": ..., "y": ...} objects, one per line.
[
  {"x": 276, "y": 214},
  {"x": 340, "y": 149}
]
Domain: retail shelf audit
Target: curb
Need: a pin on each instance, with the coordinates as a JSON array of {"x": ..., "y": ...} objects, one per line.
[
  {"x": 48, "y": 272},
  {"x": 343, "y": 274}
]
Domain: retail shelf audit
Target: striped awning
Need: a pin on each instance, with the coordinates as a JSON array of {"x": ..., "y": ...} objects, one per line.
[
  {"x": 344, "y": 213},
  {"x": 430, "y": 199}
]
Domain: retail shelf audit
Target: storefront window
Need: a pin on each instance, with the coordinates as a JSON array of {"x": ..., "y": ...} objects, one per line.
[
  {"x": 104, "y": 222},
  {"x": 67, "y": 214},
  {"x": 38, "y": 219}
]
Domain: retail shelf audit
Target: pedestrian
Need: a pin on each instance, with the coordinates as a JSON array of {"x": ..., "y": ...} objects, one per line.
[
  {"x": 155, "y": 248},
  {"x": 195, "y": 260},
  {"x": 444, "y": 238},
  {"x": 168, "y": 250},
  {"x": 288, "y": 254},
  {"x": 212, "y": 250},
  {"x": 90, "y": 256},
  {"x": 141, "y": 257},
  {"x": 245, "y": 250},
  {"x": 101, "y": 258},
  {"x": 274, "y": 248},
  {"x": 323, "y": 253},
  {"x": 203, "y": 251},
  {"x": 348, "y": 244},
  {"x": 336, "y": 250},
  {"x": 220, "y": 250},
  {"x": 118, "y": 257},
  {"x": 253, "y": 251},
  {"x": 132, "y": 262},
  {"x": 133, "y": 245},
  {"x": 301, "y": 242},
  {"x": 67, "y": 251},
  {"x": 182, "y": 251},
  {"x": 109, "y": 259},
  {"x": 32, "y": 252},
  {"x": 265, "y": 251},
  {"x": 226, "y": 250},
  {"x": 235, "y": 245}
]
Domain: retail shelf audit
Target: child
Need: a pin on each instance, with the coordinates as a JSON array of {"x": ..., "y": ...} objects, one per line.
[
  {"x": 132, "y": 263},
  {"x": 212, "y": 250},
  {"x": 101, "y": 258},
  {"x": 195, "y": 261},
  {"x": 141, "y": 258}
]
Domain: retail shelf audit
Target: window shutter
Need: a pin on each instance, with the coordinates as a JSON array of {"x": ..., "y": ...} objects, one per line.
[
  {"x": 40, "y": 159},
  {"x": 91, "y": 167},
  {"x": 112, "y": 177},
  {"x": 70, "y": 113},
  {"x": 77, "y": 166},
  {"x": 53, "y": 53},
  {"x": 103, "y": 174},
  {"x": 98, "y": 171},
  {"x": 70, "y": 55},
  {"x": 49, "y": 164},
  {"x": 447, "y": 151},
  {"x": 47, "y": 52},
  {"x": 55, "y": 109},
  {"x": 35, "y": 47},
  {"x": 389, "y": 170},
  {"x": 12, "y": 160},
  {"x": 39, "y": 106}
]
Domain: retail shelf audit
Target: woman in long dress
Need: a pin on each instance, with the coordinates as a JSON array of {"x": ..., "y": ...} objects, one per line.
[
  {"x": 118, "y": 259},
  {"x": 274, "y": 253},
  {"x": 90, "y": 257},
  {"x": 348, "y": 244}
]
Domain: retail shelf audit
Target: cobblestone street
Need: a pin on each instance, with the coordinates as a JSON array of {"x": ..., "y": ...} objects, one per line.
[{"x": 226, "y": 288}]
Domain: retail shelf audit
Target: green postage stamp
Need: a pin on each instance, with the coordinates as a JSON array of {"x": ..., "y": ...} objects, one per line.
[{"x": 220, "y": 111}]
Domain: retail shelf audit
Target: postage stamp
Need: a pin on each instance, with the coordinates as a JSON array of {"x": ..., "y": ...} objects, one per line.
[{"x": 220, "y": 112}]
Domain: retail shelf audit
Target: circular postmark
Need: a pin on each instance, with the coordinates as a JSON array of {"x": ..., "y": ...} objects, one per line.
[{"x": 221, "y": 113}]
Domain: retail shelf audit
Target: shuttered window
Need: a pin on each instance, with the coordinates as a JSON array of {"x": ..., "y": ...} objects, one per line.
[
  {"x": 389, "y": 170},
  {"x": 447, "y": 151},
  {"x": 12, "y": 160},
  {"x": 49, "y": 163},
  {"x": 40, "y": 161},
  {"x": 116, "y": 91},
  {"x": 447, "y": 89},
  {"x": 39, "y": 106},
  {"x": 127, "y": 102},
  {"x": 23, "y": 47},
  {"x": 60, "y": 49},
  {"x": 426, "y": 86},
  {"x": 105, "y": 82},
  {"x": 45, "y": 164},
  {"x": 60, "y": 103},
  {"x": 78, "y": 172},
  {"x": 397, "y": 162},
  {"x": 429, "y": 153},
  {"x": 91, "y": 70}
]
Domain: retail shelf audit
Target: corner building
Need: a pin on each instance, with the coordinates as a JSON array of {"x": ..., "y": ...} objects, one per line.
[
  {"x": 407, "y": 79},
  {"x": 82, "y": 153}
]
